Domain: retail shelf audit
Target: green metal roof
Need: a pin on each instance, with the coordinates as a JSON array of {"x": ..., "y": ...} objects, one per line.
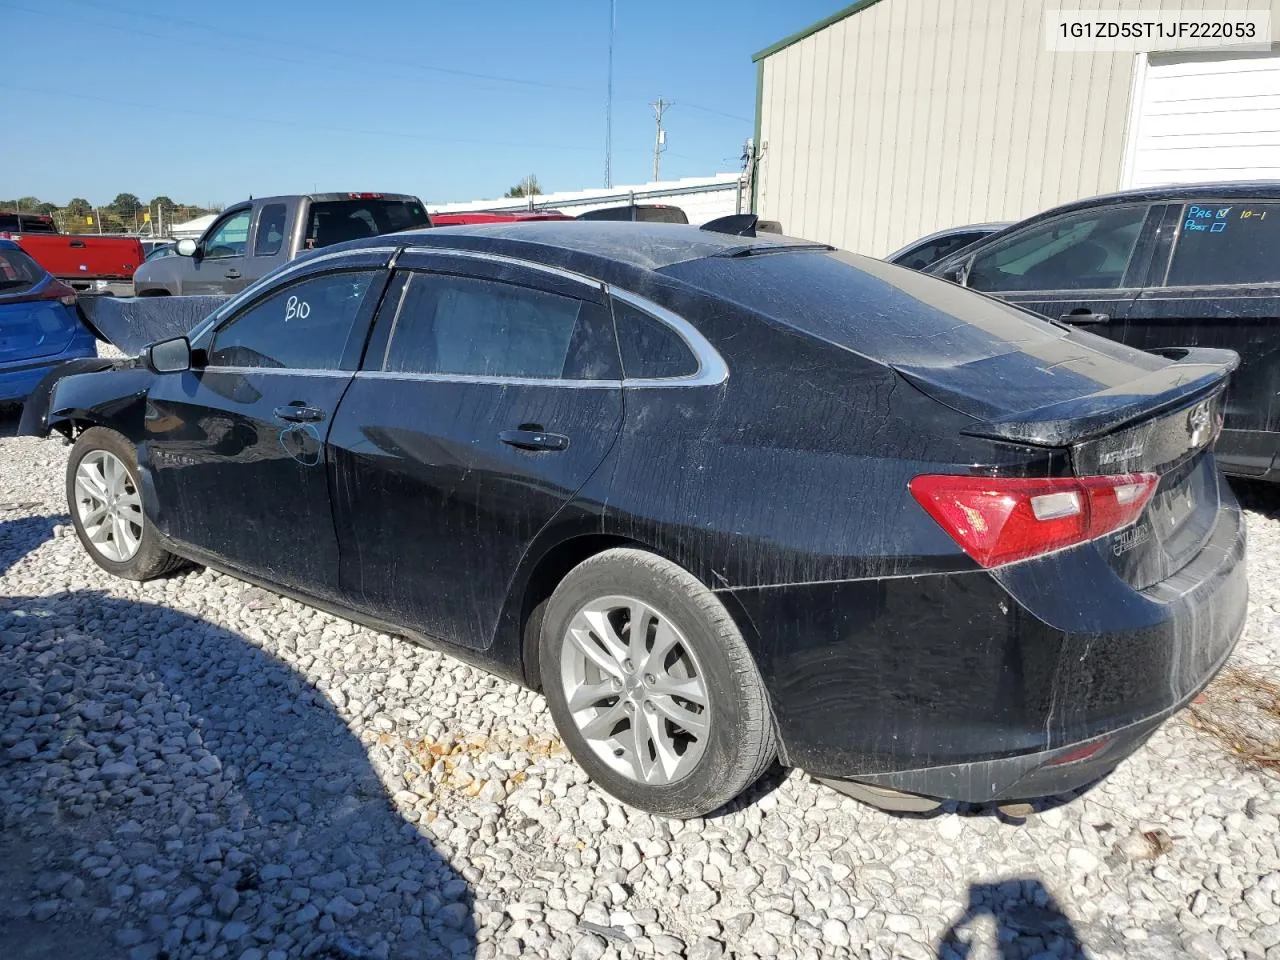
[{"x": 809, "y": 31}]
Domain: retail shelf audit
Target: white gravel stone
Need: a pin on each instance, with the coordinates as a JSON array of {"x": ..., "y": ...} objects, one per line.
[{"x": 199, "y": 766}]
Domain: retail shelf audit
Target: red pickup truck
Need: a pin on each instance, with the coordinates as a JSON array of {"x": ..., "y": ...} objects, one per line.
[{"x": 90, "y": 264}]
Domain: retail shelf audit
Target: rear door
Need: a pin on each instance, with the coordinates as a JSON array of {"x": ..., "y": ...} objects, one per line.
[
  {"x": 219, "y": 265},
  {"x": 1084, "y": 268},
  {"x": 489, "y": 394},
  {"x": 236, "y": 447},
  {"x": 1217, "y": 284}
]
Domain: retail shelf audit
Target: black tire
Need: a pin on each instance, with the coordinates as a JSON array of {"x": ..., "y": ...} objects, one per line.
[
  {"x": 150, "y": 560},
  {"x": 740, "y": 743}
]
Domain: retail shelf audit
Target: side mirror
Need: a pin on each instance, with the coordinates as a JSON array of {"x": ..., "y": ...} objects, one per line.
[
  {"x": 186, "y": 248},
  {"x": 168, "y": 356}
]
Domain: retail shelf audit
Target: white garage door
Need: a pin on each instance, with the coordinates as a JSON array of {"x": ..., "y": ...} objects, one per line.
[{"x": 1205, "y": 117}]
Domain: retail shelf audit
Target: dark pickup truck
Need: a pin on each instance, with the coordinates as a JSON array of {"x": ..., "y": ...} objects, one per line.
[{"x": 252, "y": 238}]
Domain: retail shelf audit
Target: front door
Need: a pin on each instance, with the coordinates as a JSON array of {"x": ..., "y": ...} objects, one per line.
[
  {"x": 1082, "y": 268},
  {"x": 489, "y": 395},
  {"x": 220, "y": 262},
  {"x": 236, "y": 448}
]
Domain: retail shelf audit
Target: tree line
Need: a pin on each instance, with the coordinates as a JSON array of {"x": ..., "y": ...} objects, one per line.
[{"x": 125, "y": 214}]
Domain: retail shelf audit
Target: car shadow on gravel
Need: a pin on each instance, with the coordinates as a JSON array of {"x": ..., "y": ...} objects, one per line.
[
  {"x": 1028, "y": 923},
  {"x": 168, "y": 789},
  {"x": 21, "y": 536},
  {"x": 1260, "y": 497}
]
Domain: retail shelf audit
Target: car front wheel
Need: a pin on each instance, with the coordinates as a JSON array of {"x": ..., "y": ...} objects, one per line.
[
  {"x": 105, "y": 500},
  {"x": 652, "y": 687}
]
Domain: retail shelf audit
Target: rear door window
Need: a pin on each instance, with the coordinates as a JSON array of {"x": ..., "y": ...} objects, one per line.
[
  {"x": 303, "y": 326},
  {"x": 927, "y": 254},
  {"x": 269, "y": 237},
  {"x": 1226, "y": 243},
  {"x": 465, "y": 326},
  {"x": 1086, "y": 250},
  {"x": 336, "y": 221}
]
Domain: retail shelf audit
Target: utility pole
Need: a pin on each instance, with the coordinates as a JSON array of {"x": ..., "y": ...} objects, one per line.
[
  {"x": 608, "y": 103},
  {"x": 660, "y": 138}
]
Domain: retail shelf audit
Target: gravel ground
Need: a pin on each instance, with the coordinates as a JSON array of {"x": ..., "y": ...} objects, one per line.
[{"x": 194, "y": 767}]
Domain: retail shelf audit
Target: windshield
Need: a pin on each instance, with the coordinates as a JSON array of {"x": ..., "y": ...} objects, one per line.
[{"x": 335, "y": 221}]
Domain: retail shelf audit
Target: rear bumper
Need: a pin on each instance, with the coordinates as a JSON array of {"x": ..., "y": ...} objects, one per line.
[
  {"x": 19, "y": 378},
  {"x": 968, "y": 686}
]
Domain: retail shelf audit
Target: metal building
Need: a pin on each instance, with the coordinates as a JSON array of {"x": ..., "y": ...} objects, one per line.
[{"x": 894, "y": 118}]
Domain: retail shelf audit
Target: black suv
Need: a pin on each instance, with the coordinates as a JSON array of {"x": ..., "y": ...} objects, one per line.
[{"x": 1159, "y": 268}]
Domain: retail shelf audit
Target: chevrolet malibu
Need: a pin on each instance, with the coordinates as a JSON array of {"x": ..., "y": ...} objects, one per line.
[{"x": 722, "y": 499}]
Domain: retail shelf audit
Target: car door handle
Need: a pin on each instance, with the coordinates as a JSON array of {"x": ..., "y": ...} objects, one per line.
[
  {"x": 534, "y": 439},
  {"x": 299, "y": 413},
  {"x": 1083, "y": 318},
  {"x": 232, "y": 274}
]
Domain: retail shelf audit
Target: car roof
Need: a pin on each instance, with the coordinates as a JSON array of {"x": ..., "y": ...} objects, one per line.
[
  {"x": 1224, "y": 190},
  {"x": 585, "y": 243},
  {"x": 8, "y": 245}
]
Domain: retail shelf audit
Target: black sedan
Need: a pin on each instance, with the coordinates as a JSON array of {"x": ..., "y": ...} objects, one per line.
[
  {"x": 1161, "y": 268},
  {"x": 723, "y": 499}
]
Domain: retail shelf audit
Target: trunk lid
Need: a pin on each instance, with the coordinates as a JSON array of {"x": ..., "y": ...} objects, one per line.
[
  {"x": 1162, "y": 422},
  {"x": 31, "y": 328}
]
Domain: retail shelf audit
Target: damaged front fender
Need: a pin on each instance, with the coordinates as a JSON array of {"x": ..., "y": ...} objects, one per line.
[{"x": 94, "y": 391}]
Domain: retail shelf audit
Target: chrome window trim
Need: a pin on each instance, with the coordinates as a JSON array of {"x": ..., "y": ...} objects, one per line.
[
  {"x": 712, "y": 370},
  {"x": 292, "y": 371},
  {"x": 581, "y": 278},
  {"x": 487, "y": 378},
  {"x": 284, "y": 273}
]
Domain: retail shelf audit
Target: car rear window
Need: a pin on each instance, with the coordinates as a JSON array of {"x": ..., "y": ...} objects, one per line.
[
  {"x": 18, "y": 272},
  {"x": 336, "y": 221},
  {"x": 874, "y": 308},
  {"x": 1227, "y": 243}
]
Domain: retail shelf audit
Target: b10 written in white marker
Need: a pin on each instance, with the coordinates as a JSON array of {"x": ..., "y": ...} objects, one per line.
[
  {"x": 1097, "y": 31},
  {"x": 296, "y": 308}
]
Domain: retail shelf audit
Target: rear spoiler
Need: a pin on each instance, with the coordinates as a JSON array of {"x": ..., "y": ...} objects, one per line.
[
  {"x": 1198, "y": 372},
  {"x": 130, "y": 323}
]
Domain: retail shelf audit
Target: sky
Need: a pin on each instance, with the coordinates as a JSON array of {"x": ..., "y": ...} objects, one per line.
[{"x": 211, "y": 103}]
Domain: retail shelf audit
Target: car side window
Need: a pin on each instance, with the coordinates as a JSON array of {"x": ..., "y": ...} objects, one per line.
[
  {"x": 1087, "y": 250},
  {"x": 269, "y": 237},
  {"x": 927, "y": 254},
  {"x": 1229, "y": 243},
  {"x": 303, "y": 326},
  {"x": 650, "y": 349},
  {"x": 465, "y": 326},
  {"x": 230, "y": 238}
]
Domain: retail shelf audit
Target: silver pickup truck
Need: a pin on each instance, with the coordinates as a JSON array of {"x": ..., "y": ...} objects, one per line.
[{"x": 252, "y": 238}]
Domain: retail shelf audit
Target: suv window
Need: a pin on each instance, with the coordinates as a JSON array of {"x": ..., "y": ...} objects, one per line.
[
  {"x": 230, "y": 237},
  {"x": 650, "y": 349},
  {"x": 18, "y": 272},
  {"x": 1088, "y": 250},
  {"x": 1231, "y": 243},
  {"x": 304, "y": 326},
  {"x": 270, "y": 236},
  {"x": 19, "y": 223},
  {"x": 334, "y": 221},
  {"x": 470, "y": 327}
]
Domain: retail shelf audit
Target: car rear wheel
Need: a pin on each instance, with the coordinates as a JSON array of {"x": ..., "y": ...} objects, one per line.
[
  {"x": 105, "y": 500},
  {"x": 652, "y": 687}
]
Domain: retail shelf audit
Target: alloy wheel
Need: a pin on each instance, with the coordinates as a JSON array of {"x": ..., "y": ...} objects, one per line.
[
  {"x": 108, "y": 505},
  {"x": 635, "y": 690}
]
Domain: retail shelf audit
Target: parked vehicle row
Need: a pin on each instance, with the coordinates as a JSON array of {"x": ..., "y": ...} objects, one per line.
[
  {"x": 1161, "y": 269},
  {"x": 87, "y": 263},
  {"x": 630, "y": 465}
]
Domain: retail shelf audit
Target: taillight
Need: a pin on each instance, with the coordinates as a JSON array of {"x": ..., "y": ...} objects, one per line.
[
  {"x": 53, "y": 290},
  {"x": 364, "y": 196},
  {"x": 1000, "y": 520}
]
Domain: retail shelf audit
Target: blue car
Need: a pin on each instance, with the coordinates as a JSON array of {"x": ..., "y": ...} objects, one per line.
[{"x": 39, "y": 326}]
